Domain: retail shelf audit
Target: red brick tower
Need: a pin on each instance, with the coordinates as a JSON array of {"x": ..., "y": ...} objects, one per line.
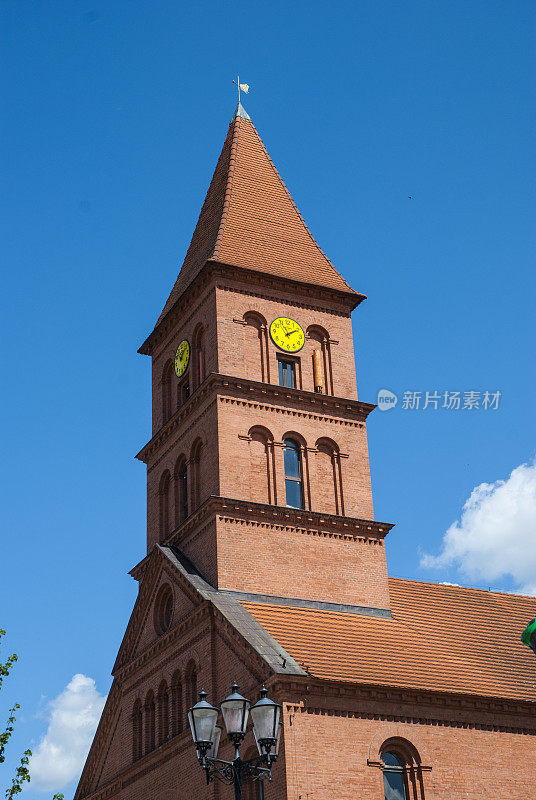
[
  {"x": 216, "y": 462},
  {"x": 262, "y": 552}
]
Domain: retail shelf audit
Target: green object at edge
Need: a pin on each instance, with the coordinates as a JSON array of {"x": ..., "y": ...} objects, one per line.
[{"x": 528, "y": 636}]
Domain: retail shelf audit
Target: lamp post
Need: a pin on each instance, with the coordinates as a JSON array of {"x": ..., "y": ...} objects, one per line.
[{"x": 235, "y": 709}]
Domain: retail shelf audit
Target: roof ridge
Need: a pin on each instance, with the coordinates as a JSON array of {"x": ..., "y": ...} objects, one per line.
[
  {"x": 285, "y": 188},
  {"x": 229, "y": 185},
  {"x": 452, "y": 586}
]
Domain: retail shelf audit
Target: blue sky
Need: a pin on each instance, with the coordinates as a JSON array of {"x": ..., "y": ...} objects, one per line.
[{"x": 113, "y": 118}]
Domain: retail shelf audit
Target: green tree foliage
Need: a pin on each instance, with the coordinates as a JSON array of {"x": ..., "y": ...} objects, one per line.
[{"x": 23, "y": 773}]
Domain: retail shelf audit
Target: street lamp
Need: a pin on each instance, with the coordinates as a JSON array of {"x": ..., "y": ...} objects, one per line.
[
  {"x": 202, "y": 718},
  {"x": 265, "y": 715},
  {"x": 235, "y": 709},
  {"x": 212, "y": 752}
]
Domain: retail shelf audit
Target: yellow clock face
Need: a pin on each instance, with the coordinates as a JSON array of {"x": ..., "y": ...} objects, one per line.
[
  {"x": 182, "y": 358},
  {"x": 287, "y": 334}
]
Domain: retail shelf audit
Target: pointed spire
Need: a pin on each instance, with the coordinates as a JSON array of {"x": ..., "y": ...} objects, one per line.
[
  {"x": 241, "y": 112},
  {"x": 249, "y": 220}
]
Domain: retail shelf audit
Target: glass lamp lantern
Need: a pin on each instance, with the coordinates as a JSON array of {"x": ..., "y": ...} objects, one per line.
[
  {"x": 278, "y": 740},
  {"x": 202, "y": 718},
  {"x": 235, "y": 710},
  {"x": 212, "y": 752},
  {"x": 265, "y": 716},
  {"x": 275, "y": 751}
]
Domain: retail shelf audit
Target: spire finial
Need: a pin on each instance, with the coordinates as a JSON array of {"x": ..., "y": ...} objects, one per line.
[{"x": 241, "y": 86}]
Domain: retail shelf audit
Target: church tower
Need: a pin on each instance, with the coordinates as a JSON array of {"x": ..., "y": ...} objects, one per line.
[
  {"x": 264, "y": 562},
  {"x": 259, "y": 440},
  {"x": 258, "y": 476}
]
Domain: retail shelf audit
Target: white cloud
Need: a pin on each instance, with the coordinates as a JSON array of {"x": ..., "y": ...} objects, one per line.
[
  {"x": 74, "y": 716},
  {"x": 495, "y": 536}
]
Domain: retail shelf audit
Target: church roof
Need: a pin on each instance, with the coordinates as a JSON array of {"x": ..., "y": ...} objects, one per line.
[
  {"x": 441, "y": 638},
  {"x": 249, "y": 220}
]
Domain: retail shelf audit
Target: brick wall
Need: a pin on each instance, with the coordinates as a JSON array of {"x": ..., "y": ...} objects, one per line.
[
  {"x": 333, "y": 736},
  {"x": 196, "y": 443},
  {"x": 244, "y": 475},
  {"x": 202, "y": 314},
  {"x": 465, "y": 762},
  {"x": 284, "y": 560},
  {"x": 242, "y": 450},
  {"x": 238, "y": 345},
  {"x": 220, "y": 657}
]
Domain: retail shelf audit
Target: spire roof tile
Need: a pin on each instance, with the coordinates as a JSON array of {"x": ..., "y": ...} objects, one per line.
[{"x": 249, "y": 220}]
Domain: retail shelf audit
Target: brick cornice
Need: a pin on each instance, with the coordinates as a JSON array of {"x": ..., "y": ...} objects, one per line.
[
  {"x": 312, "y": 523},
  {"x": 183, "y": 413},
  {"x": 317, "y": 297},
  {"x": 319, "y": 697},
  {"x": 341, "y": 698},
  {"x": 265, "y": 395}
]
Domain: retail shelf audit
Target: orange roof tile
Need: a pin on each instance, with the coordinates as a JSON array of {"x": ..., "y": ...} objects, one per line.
[
  {"x": 249, "y": 220},
  {"x": 441, "y": 638}
]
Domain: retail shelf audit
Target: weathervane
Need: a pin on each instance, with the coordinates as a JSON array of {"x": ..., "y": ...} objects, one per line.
[{"x": 241, "y": 86}]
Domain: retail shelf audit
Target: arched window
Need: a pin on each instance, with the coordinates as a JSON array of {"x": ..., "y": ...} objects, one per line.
[
  {"x": 164, "y": 498},
  {"x": 329, "y": 496},
  {"x": 195, "y": 462},
  {"x": 149, "y": 723},
  {"x": 177, "y": 721},
  {"x": 256, "y": 348},
  {"x": 402, "y": 770},
  {"x": 181, "y": 490},
  {"x": 167, "y": 391},
  {"x": 293, "y": 474},
  {"x": 198, "y": 345},
  {"x": 163, "y": 713},
  {"x": 137, "y": 731},
  {"x": 183, "y": 391},
  {"x": 394, "y": 783},
  {"x": 261, "y": 465},
  {"x": 322, "y": 361},
  {"x": 191, "y": 684}
]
